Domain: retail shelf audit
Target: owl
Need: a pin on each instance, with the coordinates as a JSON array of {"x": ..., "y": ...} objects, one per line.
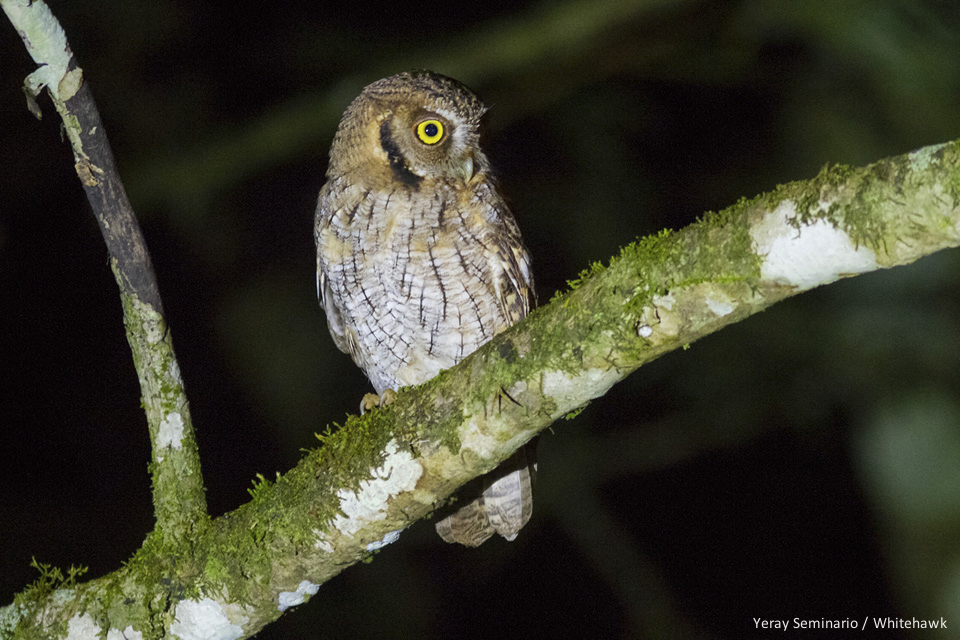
[{"x": 419, "y": 260}]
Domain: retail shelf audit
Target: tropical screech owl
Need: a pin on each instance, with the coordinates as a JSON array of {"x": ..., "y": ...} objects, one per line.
[{"x": 419, "y": 261}]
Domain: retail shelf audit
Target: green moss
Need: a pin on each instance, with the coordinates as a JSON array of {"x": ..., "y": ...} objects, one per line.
[
  {"x": 573, "y": 414},
  {"x": 216, "y": 572},
  {"x": 854, "y": 198},
  {"x": 717, "y": 248},
  {"x": 260, "y": 489},
  {"x": 594, "y": 269},
  {"x": 358, "y": 444},
  {"x": 51, "y": 578},
  {"x": 948, "y": 156},
  {"x": 345, "y": 454}
]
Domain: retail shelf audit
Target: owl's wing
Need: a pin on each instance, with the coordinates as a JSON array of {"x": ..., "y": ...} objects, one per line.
[
  {"x": 345, "y": 339},
  {"x": 515, "y": 281},
  {"x": 342, "y": 337},
  {"x": 334, "y": 318},
  {"x": 502, "y": 500}
]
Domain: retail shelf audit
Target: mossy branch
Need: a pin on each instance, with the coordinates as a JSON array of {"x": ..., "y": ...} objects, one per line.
[{"x": 378, "y": 474}]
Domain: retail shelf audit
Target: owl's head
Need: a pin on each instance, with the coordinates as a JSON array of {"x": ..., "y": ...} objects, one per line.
[{"x": 409, "y": 128}]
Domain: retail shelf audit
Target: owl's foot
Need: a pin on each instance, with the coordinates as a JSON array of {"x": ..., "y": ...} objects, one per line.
[{"x": 372, "y": 401}]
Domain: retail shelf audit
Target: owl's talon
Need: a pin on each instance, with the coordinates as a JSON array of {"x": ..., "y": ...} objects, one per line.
[
  {"x": 372, "y": 401},
  {"x": 388, "y": 396}
]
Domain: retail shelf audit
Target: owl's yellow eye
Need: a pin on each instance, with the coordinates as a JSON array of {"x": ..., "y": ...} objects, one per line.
[{"x": 430, "y": 131}]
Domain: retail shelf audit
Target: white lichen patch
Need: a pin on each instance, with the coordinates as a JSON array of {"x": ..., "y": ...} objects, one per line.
[
  {"x": 175, "y": 373},
  {"x": 921, "y": 158},
  {"x": 127, "y": 634},
  {"x": 518, "y": 388},
  {"x": 474, "y": 438},
  {"x": 288, "y": 599},
  {"x": 823, "y": 206},
  {"x": 82, "y": 627},
  {"x": 47, "y": 44},
  {"x": 170, "y": 433},
  {"x": 661, "y": 313},
  {"x": 322, "y": 543},
  {"x": 719, "y": 304},
  {"x": 665, "y": 301},
  {"x": 152, "y": 322},
  {"x": 62, "y": 596},
  {"x": 809, "y": 256},
  {"x": 10, "y": 617},
  {"x": 390, "y": 538},
  {"x": 207, "y": 619},
  {"x": 399, "y": 473},
  {"x": 568, "y": 390}
]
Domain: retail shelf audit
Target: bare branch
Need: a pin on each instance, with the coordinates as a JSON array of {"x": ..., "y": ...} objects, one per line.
[{"x": 179, "y": 501}]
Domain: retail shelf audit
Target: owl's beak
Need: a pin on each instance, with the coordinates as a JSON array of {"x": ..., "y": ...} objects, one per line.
[{"x": 466, "y": 169}]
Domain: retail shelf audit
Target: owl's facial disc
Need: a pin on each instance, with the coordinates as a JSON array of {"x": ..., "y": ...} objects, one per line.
[{"x": 428, "y": 144}]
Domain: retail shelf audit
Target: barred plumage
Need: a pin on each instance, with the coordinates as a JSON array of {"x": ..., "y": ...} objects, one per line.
[{"x": 419, "y": 261}]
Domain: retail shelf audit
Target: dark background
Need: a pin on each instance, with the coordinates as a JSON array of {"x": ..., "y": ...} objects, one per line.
[{"x": 804, "y": 463}]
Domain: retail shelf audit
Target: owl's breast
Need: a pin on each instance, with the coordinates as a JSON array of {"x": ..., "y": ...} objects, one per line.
[{"x": 415, "y": 276}]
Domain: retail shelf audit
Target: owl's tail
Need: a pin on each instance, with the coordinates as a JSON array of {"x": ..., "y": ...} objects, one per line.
[{"x": 499, "y": 502}]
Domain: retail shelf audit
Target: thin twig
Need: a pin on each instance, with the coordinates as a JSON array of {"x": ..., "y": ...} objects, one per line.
[{"x": 178, "y": 496}]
